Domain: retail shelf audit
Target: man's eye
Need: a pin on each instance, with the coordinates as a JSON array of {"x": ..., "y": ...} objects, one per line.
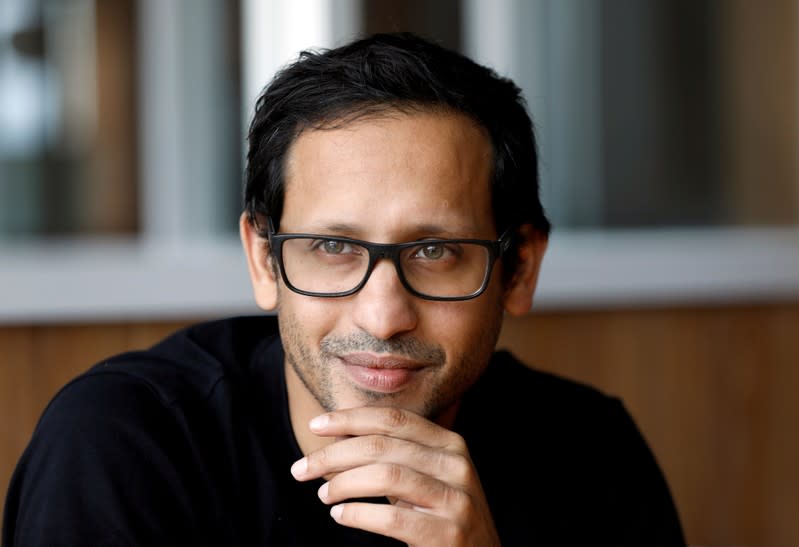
[
  {"x": 333, "y": 247},
  {"x": 431, "y": 252}
]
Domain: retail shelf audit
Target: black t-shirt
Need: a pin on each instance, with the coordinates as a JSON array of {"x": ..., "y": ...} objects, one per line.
[{"x": 190, "y": 443}]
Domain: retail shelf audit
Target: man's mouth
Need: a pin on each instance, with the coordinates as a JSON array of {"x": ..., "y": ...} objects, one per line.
[{"x": 381, "y": 373}]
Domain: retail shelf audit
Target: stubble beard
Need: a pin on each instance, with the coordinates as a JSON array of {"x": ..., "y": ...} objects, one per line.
[{"x": 314, "y": 369}]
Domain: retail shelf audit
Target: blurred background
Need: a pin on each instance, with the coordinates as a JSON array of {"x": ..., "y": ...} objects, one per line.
[{"x": 668, "y": 138}]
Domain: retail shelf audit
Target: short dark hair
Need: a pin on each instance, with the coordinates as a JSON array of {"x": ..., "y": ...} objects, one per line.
[{"x": 393, "y": 72}]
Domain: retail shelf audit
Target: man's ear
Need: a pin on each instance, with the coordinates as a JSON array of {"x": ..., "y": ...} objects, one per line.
[
  {"x": 519, "y": 292},
  {"x": 260, "y": 265}
]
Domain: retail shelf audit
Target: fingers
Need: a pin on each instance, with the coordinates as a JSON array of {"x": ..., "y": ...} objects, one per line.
[
  {"x": 406, "y": 525},
  {"x": 450, "y": 467},
  {"x": 389, "y": 421},
  {"x": 357, "y": 451},
  {"x": 416, "y": 489},
  {"x": 423, "y": 468}
]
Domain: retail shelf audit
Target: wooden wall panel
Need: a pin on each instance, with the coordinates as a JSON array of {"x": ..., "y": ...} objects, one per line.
[
  {"x": 17, "y": 407},
  {"x": 714, "y": 393},
  {"x": 713, "y": 390}
]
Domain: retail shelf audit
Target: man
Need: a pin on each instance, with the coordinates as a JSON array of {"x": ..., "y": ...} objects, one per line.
[{"x": 392, "y": 218}]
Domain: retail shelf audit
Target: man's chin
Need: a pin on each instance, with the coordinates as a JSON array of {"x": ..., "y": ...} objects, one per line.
[{"x": 362, "y": 398}]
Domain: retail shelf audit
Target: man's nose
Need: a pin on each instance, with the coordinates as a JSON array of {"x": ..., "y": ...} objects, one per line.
[{"x": 383, "y": 307}]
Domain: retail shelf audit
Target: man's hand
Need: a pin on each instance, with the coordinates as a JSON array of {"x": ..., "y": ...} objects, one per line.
[{"x": 424, "y": 469}]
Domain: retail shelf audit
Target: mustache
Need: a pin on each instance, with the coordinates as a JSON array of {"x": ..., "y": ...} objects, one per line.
[{"x": 408, "y": 347}]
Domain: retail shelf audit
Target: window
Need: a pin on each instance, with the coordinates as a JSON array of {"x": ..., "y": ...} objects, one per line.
[
  {"x": 119, "y": 118},
  {"x": 666, "y": 132},
  {"x": 68, "y": 160}
]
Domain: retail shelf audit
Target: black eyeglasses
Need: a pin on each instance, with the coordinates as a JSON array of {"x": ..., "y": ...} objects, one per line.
[{"x": 433, "y": 269}]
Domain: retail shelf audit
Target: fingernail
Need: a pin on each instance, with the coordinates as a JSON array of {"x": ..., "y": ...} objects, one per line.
[
  {"x": 336, "y": 511},
  {"x": 320, "y": 422},
  {"x": 323, "y": 492},
  {"x": 299, "y": 468}
]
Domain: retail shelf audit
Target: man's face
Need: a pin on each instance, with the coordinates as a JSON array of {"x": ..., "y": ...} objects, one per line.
[{"x": 390, "y": 179}]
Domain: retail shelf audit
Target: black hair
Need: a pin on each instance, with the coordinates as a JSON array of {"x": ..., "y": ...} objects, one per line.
[{"x": 384, "y": 73}]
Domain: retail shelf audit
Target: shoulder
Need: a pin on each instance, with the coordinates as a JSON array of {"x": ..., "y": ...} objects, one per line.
[
  {"x": 567, "y": 414},
  {"x": 139, "y": 434},
  {"x": 189, "y": 377},
  {"x": 517, "y": 386},
  {"x": 185, "y": 384},
  {"x": 582, "y": 450},
  {"x": 105, "y": 448},
  {"x": 185, "y": 366}
]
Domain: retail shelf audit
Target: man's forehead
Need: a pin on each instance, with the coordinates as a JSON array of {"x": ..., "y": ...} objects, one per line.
[
  {"x": 415, "y": 173},
  {"x": 339, "y": 133}
]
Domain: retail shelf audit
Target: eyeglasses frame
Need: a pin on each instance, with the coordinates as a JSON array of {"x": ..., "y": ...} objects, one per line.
[{"x": 390, "y": 251}]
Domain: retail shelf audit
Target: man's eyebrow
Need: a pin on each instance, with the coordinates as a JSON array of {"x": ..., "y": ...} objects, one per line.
[
  {"x": 411, "y": 232},
  {"x": 333, "y": 228}
]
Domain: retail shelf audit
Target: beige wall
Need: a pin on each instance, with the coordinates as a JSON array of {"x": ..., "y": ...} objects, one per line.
[{"x": 712, "y": 389}]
